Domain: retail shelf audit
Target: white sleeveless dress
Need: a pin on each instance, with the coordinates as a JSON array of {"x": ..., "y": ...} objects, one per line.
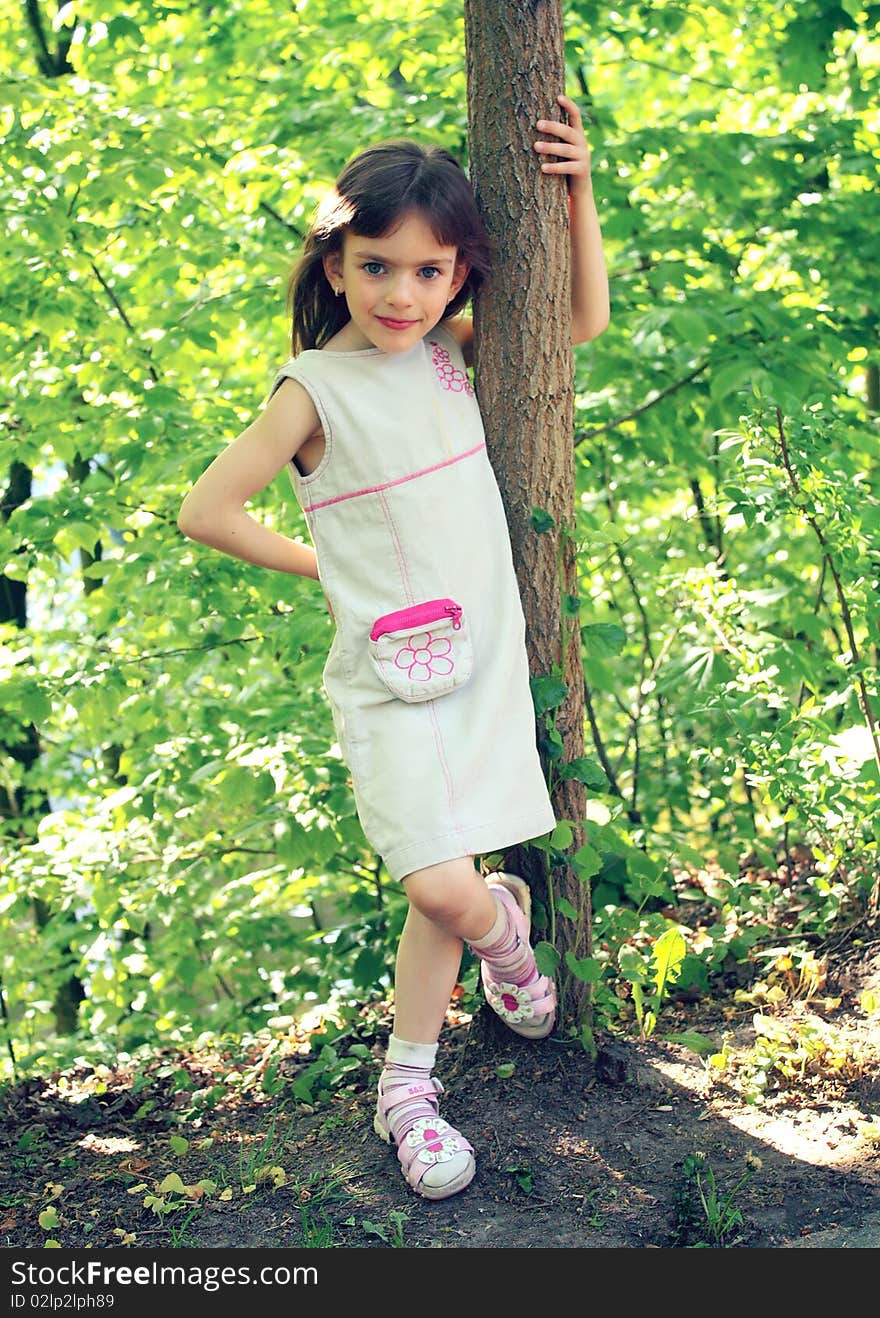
[{"x": 427, "y": 675}]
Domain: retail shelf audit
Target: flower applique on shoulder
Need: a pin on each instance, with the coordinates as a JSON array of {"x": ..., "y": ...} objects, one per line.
[{"x": 450, "y": 377}]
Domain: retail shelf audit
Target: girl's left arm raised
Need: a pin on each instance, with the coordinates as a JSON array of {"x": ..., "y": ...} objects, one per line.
[{"x": 590, "y": 305}]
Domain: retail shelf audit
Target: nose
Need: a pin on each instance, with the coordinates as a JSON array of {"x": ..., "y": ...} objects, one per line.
[{"x": 400, "y": 294}]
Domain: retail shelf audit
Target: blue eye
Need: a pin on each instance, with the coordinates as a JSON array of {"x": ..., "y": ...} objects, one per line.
[
  {"x": 367, "y": 265},
  {"x": 431, "y": 267}
]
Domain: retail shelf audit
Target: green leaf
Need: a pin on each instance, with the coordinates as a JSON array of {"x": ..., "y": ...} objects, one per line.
[
  {"x": 368, "y": 966},
  {"x": 692, "y": 327},
  {"x": 697, "y": 1043},
  {"x": 632, "y": 965},
  {"x": 561, "y": 836},
  {"x": 648, "y": 875},
  {"x": 730, "y": 377},
  {"x": 588, "y": 1042},
  {"x": 48, "y": 1219},
  {"x": 302, "y": 1088},
  {"x": 587, "y": 862},
  {"x": 33, "y": 704},
  {"x": 587, "y": 771},
  {"x": 546, "y": 958},
  {"x": 172, "y": 1182},
  {"x": 668, "y": 953},
  {"x": 541, "y": 520},
  {"x": 504, "y": 1070},
  {"x": 585, "y": 968},
  {"x": 564, "y": 906},
  {"x": 603, "y": 639},
  {"x": 684, "y": 852},
  {"x": 178, "y": 1144},
  {"x": 547, "y": 693}
]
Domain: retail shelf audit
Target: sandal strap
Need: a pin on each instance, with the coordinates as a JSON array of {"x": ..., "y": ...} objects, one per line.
[{"x": 403, "y": 1094}]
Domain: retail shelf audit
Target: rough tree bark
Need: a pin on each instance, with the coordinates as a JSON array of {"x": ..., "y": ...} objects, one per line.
[{"x": 524, "y": 377}]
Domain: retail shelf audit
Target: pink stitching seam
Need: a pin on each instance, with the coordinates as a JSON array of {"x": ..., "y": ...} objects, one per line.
[
  {"x": 432, "y": 712},
  {"x": 398, "y": 547},
  {"x": 400, "y": 480}
]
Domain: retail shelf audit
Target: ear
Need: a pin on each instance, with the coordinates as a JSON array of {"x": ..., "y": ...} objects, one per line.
[
  {"x": 332, "y": 262},
  {"x": 460, "y": 274}
]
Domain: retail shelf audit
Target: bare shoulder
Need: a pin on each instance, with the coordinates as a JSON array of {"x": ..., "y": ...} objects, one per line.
[
  {"x": 247, "y": 465},
  {"x": 291, "y": 407},
  {"x": 462, "y": 330}
]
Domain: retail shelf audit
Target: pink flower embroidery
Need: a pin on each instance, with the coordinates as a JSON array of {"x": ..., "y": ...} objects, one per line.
[
  {"x": 450, "y": 376},
  {"x": 423, "y": 657},
  {"x": 428, "y": 1135}
]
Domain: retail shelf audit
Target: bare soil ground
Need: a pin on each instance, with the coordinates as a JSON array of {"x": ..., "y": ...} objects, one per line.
[{"x": 572, "y": 1152}]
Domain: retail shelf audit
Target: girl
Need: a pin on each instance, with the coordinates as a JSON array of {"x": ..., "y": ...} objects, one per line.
[{"x": 427, "y": 676}]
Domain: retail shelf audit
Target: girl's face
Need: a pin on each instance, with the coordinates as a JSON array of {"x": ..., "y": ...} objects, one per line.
[{"x": 397, "y": 287}]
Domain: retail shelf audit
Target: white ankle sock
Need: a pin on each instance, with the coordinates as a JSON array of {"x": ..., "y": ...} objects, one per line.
[{"x": 404, "y": 1053}]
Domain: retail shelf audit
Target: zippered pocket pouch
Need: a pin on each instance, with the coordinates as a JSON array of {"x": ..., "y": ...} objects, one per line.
[{"x": 422, "y": 651}]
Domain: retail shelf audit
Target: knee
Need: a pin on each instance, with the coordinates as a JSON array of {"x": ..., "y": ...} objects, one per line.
[{"x": 444, "y": 892}]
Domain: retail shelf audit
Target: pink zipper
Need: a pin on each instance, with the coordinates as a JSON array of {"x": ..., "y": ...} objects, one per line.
[{"x": 416, "y": 616}]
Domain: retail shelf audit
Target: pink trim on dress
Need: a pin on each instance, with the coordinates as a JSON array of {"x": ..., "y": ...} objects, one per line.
[{"x": 400, "y": 480}]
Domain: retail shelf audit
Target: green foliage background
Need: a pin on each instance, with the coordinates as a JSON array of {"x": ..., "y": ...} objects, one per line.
[{"x": 187, "y": 837}]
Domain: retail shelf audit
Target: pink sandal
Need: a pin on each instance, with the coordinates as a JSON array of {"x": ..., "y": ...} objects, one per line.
[
  {"x": 429, "y": 1142},
  {"x": 529, "y": 1009}
]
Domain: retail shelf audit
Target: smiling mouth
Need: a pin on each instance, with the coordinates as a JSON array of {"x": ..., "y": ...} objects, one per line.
[{"x": 397, "y": 324}]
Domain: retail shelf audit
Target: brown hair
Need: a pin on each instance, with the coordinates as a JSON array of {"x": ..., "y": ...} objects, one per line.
[{"x": 375, "y": 190}]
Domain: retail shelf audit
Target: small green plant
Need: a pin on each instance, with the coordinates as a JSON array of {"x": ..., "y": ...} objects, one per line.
[
  {"x": 706, "y": 1218},
  {"x": 390, "y": 1231},
  {"x": 789, "y": 1051},
  {"x": 336, "y": 1059},
  {"x": 179, "y": 1237},
  {"x": 591, "y": 1208},
  {"x": 258, "y": 1156},
  {"x": 26, "y": 1158},
  {"x": 523, "y": 1177},
  {"x": 315, "y": 1235},
  {"x": 667, "y": 955}
]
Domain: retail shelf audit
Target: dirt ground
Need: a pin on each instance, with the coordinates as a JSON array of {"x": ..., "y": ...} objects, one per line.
[{"x": 571, "y": 1152}]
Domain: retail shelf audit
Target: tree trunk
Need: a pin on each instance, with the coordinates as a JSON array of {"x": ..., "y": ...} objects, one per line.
[
  {"x": 524, "y": 377},
  {"x": 30, "y": 803}
]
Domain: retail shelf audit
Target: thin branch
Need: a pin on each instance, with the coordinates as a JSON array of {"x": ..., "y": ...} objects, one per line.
[
  {"x": 112, "y": 296},
  {"x": 629, "y": 59},
  {"x": 90, "y": 669},
  {"x": 264, "y": 206},
  {"x": 642, "y": 407},
  {"x": 599, "y": 744},
  {"x": 258, "y": 290},
  {"x": 863, "y": 697}
]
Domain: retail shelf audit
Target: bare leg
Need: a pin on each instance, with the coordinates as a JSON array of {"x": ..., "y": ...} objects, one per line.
[
  {"x": 448, "y": 903},
  {"x": 428, "y": 961}
]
